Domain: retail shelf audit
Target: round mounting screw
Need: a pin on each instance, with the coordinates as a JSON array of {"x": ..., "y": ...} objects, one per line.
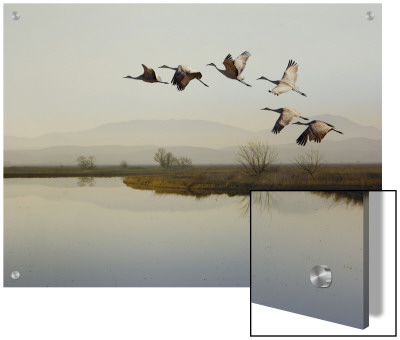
[
  {"x": 370, "y": 15},
  {"x": 15, "y": 15},
  {"x": 15, "y": 275},
  {"x": 321, "y": 276}
]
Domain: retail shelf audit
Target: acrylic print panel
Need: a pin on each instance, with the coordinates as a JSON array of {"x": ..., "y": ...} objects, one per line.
[
  {"x": 309, "y": 254},
  {"x": 114, "y": 181}
]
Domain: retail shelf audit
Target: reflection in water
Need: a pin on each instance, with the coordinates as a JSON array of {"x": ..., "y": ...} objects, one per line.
[
  {"x": 347, "y": 197},
  {"x": 59, "y": 234},
  {"x": 86, "y": 181},
  {"x": 191, "y": 191},
  {"x": 261, "y": 200}
]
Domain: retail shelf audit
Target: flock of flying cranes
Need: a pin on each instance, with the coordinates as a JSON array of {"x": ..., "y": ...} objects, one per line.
[{"x": 316, "y": 130}]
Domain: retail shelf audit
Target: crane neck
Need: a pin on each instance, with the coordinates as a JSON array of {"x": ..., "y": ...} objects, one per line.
[
  {"x": 220, "y": 70},
  {"x": 138, "y": 78},
  {"x": 276, "y": 82}
]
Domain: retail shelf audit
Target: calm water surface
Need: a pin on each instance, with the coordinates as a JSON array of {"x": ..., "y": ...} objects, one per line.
[{"x": 80, "y": 232}]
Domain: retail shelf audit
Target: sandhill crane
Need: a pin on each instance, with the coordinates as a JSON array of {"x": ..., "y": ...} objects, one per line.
[
  {"x": 286, "y": 116},
  {"x": 183, "y": 75},
  {"x": 234, "y": 68},
  {"x": 288, "y": 81},
  {"x": 316, "y": 131},
  {"x": 149, "y": 76}
]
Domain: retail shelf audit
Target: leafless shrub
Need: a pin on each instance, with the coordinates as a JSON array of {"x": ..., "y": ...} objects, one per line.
[
  {"x": 255, "y": 157},
  {"x": 309, "y": 161},
  {"x": 86, "y": 162},
  {"x": 164, "y": 158},
  {"x": 183, "y": 162}
]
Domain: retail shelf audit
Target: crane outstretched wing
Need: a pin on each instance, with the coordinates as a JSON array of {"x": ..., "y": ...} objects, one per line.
[
  {"x": 230, "y": 65},
  {"x": 240, "y": 62},
  {"x": 302, "y": 140},
  {"x": 149, "y": 72},
  {"x": 180, "y": 79},
  {"x": 290, "y": 75},
  {"x": 282, "y": 121},
  {"x": 316, "y": 132},
  {"x": 319, "y": 130},
  {"x": 183, "y": 75}
]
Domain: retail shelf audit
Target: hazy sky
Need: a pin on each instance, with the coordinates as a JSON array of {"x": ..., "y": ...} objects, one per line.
[{"x": 64, "y": 64}]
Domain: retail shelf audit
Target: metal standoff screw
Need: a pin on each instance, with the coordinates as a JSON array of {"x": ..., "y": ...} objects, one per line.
[
  {"x": 321, "y": 276},
  {"x": 370, "y": 15},
  {"x": 15, "y": 275},
  {"x": 15, "y": 15}
]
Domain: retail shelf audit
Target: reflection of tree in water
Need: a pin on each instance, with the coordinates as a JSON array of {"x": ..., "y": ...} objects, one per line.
[
  {"x": 86, "y": 181},
  {"x": 265, "y": 200},
  {"x": 346, "y": 197},
  {"x": 199, "y": 193},
  {"x": 260, "y": 201}
]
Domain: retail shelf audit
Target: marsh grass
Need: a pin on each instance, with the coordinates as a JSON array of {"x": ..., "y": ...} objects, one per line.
[
  {"x": 205, "y": 180},
  {"x": 233, "y": 181}
]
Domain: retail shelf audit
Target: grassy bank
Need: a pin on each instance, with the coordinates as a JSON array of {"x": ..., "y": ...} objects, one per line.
[
  {"x": 231, "y": 180},
  {"x": 100, "y": 171},
  {"x": 204, "y": 180}
]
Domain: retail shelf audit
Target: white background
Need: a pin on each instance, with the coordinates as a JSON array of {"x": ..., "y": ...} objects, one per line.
[{"x": 192, "y": 313}]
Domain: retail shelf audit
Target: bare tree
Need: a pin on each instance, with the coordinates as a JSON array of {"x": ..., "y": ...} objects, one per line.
[
  {"x": 81, "y": 161},
  {"x": 183, "y": 162},
  {"x": 309, "y": 161},
  {"x": 123, "y": 164},
  {"x": 159, "y": 157},
  {"x": 164, "y": 158},
  {"x": 170, "y": 160},
  {"x": 91, "y": 160},
  {"x": 86, "y": 162},
  {"x": 256, "y": 156}
]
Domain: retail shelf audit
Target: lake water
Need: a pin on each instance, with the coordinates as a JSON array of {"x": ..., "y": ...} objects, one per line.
[
  {"x": 99, "y": 232},
  {"x": 294, "y": 231}
]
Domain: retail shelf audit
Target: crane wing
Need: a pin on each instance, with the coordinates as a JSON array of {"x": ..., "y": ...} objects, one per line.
[
  {"x": 149, "y": 72},
  {"x": 281, "y": 88},
  {"x": 302, "y": 140},
  {"x": 192, "y": 73},
  {"x": 230, "y": 65},
  {"x": 290, "y": 75},
  {"x": 240, "y": 62},
  {"x": 183, "y": 76},
  {"x": 318, "y": 131},
  {"x": 180, "y": 80},
  {"x": 282, "y": 121}
]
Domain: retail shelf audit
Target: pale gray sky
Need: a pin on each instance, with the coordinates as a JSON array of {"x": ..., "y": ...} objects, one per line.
[{"x": 64, "y": 64}]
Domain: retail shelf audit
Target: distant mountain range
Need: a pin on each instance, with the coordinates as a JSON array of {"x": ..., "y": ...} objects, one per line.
[
  {"x": 195, "y": 133},
  {"x": 205, "y": 142},
  {"x": 351, "y": 150}
]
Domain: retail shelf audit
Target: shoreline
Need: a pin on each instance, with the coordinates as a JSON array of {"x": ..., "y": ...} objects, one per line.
[{"x": 230, "y": 180}]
